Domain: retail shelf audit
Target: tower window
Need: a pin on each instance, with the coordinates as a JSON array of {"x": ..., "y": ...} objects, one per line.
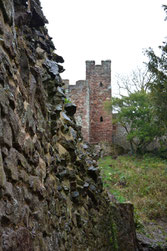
[
  {"x": 114, "y": 127},
  {"x": 101, "y": 119},
  {"x": 101, "y": 84}
]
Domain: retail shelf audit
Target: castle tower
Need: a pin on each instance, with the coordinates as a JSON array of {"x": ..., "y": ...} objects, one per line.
[{"x": 99, "y": 79}]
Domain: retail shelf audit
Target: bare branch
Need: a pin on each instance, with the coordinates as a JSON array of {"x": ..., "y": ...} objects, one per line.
[{"x": 137, "y": 80}]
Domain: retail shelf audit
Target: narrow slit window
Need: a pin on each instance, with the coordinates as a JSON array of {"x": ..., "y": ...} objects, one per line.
[
  {"x": 101, "y": 119},
  {"x": 101, "y": 84},
  {"x": 114, "y": 127}
]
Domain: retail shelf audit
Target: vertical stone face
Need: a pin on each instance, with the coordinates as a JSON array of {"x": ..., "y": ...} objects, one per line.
[
  {"x": 51, "y": 194},
  {"x": 99, "y": 79}
]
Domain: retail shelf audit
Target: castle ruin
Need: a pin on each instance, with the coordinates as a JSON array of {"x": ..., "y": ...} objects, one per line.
[{"x": 89, "y": 95}]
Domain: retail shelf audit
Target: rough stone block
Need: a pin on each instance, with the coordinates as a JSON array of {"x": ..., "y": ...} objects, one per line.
[
  {"x": 8, "y": 10},
  {"x": 2, "y": 173}
]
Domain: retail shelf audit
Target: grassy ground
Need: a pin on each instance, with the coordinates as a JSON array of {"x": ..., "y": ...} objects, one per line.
[{"x": 139, "y": 179}]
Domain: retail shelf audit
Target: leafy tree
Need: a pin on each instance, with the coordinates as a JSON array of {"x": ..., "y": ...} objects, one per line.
[
  {"x": 135, "y": 112},
  {"x": 136, "y": 116},
  {"x": 158, "y": 86}
]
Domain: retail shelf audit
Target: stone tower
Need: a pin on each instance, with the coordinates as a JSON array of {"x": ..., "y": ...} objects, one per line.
[
  {"x": 99, "y": 79},
  {"x": 89, "y": 95}
]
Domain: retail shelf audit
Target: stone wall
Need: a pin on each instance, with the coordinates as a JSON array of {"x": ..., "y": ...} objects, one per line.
[
  {"x": 51, "y": 194},
  {"x": 89, "y": 96},
  {"x": 79, "y": 94},
  {"x": 119, "y": 137},
  {"x": 99, "y": 78}
]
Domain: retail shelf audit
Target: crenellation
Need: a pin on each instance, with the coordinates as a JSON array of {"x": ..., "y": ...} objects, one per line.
[
  {"x": 81, "y": 82},
  {"x": 90, "y": 62},
  {"x": 89, "y": 95}
]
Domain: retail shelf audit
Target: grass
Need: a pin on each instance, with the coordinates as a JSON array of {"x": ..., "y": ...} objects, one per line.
[{"x": 139, "y": 179}]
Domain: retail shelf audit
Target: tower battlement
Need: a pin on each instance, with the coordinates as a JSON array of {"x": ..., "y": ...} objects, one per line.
[
  {"x": 79, "y": 84},
  {"x": 89, "y": 95},
  {"x": 98, "y": 69}
]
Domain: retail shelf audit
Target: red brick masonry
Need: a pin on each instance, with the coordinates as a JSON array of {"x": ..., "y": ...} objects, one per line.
[{"x": 89, "y": 95}]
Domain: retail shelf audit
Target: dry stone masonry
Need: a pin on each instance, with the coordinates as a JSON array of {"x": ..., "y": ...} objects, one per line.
[
  {"x": 89, "y": 96},
  {"x": 51, "y": 194}
]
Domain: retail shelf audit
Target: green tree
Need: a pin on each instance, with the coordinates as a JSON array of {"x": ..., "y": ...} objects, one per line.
[
  {"x": 135, "y": 114},
  {"x": 135, "y": 111},
  {"x": 157, "y": 66}
]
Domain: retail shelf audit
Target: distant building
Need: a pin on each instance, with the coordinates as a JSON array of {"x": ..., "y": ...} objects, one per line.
[{"x": 89, "y": 95}]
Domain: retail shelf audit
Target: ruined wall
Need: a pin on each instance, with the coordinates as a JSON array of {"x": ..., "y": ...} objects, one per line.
[
  {"x": 99, "y": 79},
  {"x": 80, "y": 95},
  {"x": 51, "y": 195}
]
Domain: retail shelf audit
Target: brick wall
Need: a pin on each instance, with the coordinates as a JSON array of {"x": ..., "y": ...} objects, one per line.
[
  {"x": 99, "y": 79},
  {"x": 79, "y": 94},
  {"x": 89, "y": 95}
]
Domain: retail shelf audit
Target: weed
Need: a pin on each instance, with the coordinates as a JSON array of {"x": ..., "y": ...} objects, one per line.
[
  {"x": 139, "y": 179},
  {"x": 66, "y": 101},
  {"x": 113, "y": 239}
]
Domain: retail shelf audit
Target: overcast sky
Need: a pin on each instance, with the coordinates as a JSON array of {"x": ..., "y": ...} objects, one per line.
[{"x": 104, "y": 29}]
